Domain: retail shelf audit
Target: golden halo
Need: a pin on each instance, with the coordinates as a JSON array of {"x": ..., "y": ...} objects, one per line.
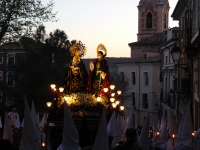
[
  {"x": 78, "y": 46},
  {"x": 102, "y": 48}
]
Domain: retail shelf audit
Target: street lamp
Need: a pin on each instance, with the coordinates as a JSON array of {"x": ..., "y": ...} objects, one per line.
[{"x": 176, "y": 54}]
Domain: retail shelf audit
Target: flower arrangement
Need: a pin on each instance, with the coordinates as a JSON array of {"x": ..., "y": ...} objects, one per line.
[{"x": 82, "y": 100}]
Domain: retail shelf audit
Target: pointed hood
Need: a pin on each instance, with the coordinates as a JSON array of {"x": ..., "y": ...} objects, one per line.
[
  {"x": 7, "y": 132},
  {"x": 17, "y": 123},
  {"x": 163, "y": 132},
  {"x": 173, "y": 127},
  {"x": 187, "y": 127},
  {"x": 181, "y": 127},
  {"x": 144, "y": 136},
  {"x": 70, "y": 139},
  {"x": 101, "y": 141},
  {"x": 122, "y": 123},
  {"x": 34, "y": 116},
  {"x": 163, "y": 120},
  {"x": 113, "y": 127},
  {"x": 43, "y": 121},
  {"x": 117, "y": 133},
  {"x": 30, "y": 139},
  {"x": 131, "y": 120}
]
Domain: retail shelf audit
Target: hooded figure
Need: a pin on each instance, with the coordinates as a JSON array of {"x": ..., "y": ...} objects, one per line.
[{"x": 70, "y": 139}]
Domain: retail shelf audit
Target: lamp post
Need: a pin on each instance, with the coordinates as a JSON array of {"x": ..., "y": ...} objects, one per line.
[
  {"x": 176, "y": 54},
  {"x": 172, "y": 98}
]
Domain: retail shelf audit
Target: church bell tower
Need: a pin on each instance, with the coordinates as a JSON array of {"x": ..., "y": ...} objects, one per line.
[{"x": 152, "y": 17}]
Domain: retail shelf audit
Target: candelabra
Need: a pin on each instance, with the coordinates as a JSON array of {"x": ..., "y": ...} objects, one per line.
[
  {"x": 113, "y": 97},
  {"x": 57, "y": 92}
]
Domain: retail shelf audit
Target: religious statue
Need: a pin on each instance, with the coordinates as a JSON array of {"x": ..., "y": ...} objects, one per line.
[
  {"x": 99, "y": 75},
  {"x": 76, "y": 77}
]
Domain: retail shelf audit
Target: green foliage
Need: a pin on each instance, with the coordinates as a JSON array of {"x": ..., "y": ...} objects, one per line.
[
  {"x": 19, "y": 17},
  {"x": 45, "y": 63}
]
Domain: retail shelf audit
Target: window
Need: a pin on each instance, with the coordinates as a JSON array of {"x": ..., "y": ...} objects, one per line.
[
  {"x": 11, "y": 59},
  {"x": 10, "y": 79},
  {"x": 133, "y": 98},
  {"x": 145, "y": 56},
  {"x": 165, "y": 21},
  {"x": 146, "y": 78},
  {"x": 145, "y": 100},
  {"x": 1, "y": 75},
  {"x": 122, "y": 76},
  {"x": 166, "y": 59},
  {"x": 133, "y": 77},
  {"x": 9, "y": 98},
  {"x": 149, "y": 20},
  {"x": 1, "y": 96}
]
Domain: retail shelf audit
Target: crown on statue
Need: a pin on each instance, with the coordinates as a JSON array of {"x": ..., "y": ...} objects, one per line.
[
  {"x": 79, "y": 48},
  {"x": 102, "y": 48}
]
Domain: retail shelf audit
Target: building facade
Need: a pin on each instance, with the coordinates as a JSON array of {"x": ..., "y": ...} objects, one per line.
[
  {"x": 169, "y": 81},
  {"x": 143, "y": 68},
  {"x": 143, "y": 74},
  {"x": 187, "y": 13},
  {"x": 10, "y": 55},
  {"x": 152, "y": 17}
]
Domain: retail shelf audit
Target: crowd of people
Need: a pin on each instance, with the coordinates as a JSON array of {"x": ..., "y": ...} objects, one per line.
[{"x": 130, "y": 139}]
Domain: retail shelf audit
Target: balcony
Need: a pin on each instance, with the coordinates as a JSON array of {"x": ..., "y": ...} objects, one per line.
[{"x": 188, "y": 28}]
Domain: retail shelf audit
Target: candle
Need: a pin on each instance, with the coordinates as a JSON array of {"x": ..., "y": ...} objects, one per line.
[
  {"x": 193, "y": 135},
  {"x": 173, "y": 140}
]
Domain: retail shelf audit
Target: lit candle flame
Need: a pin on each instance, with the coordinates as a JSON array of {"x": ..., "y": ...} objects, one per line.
[
  {"x": 193, "y": 134},
  {"x": 43, "y": 144}
]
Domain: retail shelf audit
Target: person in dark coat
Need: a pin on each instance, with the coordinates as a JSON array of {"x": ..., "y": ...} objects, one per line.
[{"x": 131, "y": 142}]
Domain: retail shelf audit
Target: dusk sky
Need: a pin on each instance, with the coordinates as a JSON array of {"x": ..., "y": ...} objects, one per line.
[{"x": 113, "y": 23}]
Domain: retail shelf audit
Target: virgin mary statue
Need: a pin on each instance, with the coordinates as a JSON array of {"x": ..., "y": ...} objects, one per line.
[{"x": 76, "y": 77}]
